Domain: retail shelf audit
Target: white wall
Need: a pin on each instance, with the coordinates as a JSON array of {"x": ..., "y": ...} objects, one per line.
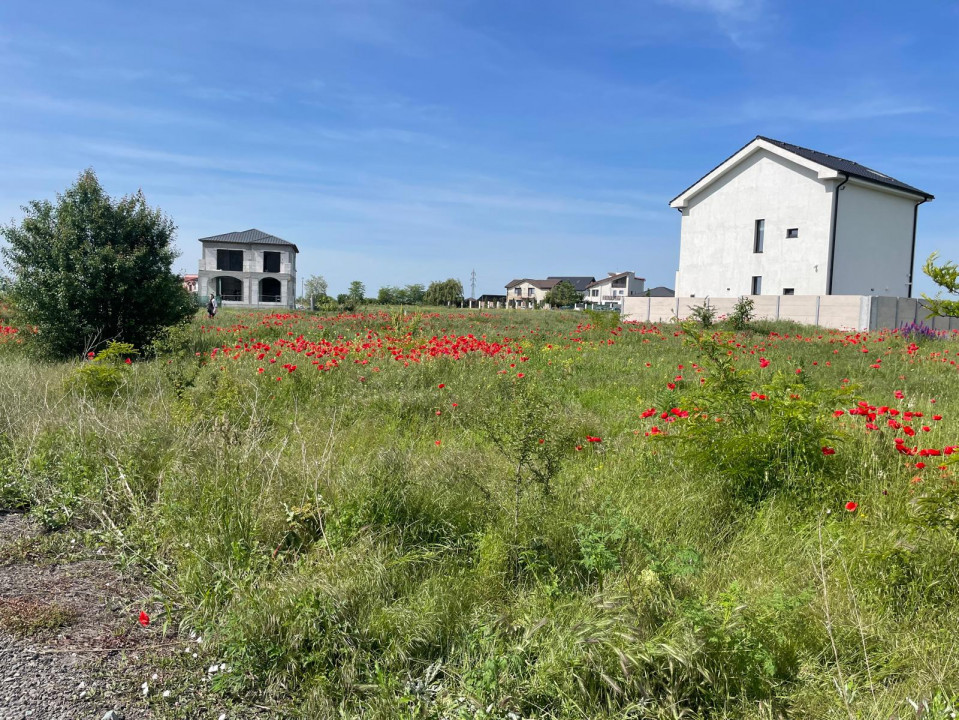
[
  {"x": 873, "y": 252},
  {"x": 716, "y": 252},
  {"x": 846, "y": 312}
]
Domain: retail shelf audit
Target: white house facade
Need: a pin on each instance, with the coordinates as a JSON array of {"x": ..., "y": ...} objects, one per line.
[
  {"x": 779, "y": 219},
  {"x": 527, "y": 293},
  {"x": 615, "y": 287},
  {"x": 248, "y": 269}
]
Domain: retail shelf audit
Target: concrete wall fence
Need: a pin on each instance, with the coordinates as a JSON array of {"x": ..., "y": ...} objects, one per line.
[{"x": 842, "y": 312}]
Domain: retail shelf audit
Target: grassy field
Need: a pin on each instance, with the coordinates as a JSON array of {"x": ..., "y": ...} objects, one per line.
[{"x": 521, "y": 514}]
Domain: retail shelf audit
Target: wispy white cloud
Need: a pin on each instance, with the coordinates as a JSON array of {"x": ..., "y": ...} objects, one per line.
[
  {"x": 739, "y": 20},
  {"x": 809, "y": 108}
]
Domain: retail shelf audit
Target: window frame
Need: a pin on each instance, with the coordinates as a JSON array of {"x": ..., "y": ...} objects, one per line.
[
  {"x": 759, "y": 235},
  {"x": 792, "y": 233},
  {"x": 272, "y": 254},
  {"x": 756, "y": 287},
  {"x": 225, "y": 258}
]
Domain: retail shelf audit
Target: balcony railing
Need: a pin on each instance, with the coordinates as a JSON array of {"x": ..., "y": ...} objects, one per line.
[{"x": 270, "y": 298}]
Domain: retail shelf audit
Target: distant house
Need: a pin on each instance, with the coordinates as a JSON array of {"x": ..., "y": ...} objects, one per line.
[
  {"x": 660, "y": 291},
  {"x": 248, "y": 269},
  {"x": 190, "y": 282},
  {"x": 780, "y": 219},
  {"x": 614, "y": 287},
  {"x": 528, "y": 293}
]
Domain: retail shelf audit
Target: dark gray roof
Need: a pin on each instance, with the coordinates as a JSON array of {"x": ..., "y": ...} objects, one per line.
[
  {"x": 660, "y": 291},
  {"x": 847, "y": 166},
  {"x": 613, "y": 276},
  {"x": 836, "y": 163},
  {"x": 539, "y": 284},
  {"x": 250, "y": 236},
  {"x": 579, "y": 283}
]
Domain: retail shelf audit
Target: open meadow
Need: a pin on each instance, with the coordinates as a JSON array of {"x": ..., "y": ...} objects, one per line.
[{"x": 516, "y": 514}]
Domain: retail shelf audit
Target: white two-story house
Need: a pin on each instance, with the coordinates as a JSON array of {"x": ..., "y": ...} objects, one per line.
[
  {"x": 527, "y": 293},
  {"x": 779, "y": 219},
  {"x": 615, "y": 287},
  {"x": 248, "y": 269}
]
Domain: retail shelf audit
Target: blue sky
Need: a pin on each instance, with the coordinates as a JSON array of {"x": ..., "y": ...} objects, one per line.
[{"x": 398, "y": 141}]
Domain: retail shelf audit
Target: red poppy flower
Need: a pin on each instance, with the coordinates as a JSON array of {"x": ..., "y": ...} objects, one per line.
[
  {"x": 851, "y": 506},
  {"x": 671, "y": 386},
  {"x": 438, "y": 442},
  {"x": 828, "y": 450},
  {"x": 520, "y": 375},
  {"x": 144, "y": 619},
  {"x": 128, "y": 361},
  {"x": 920, "y": 465},
  {"x": 763, "y": 362},
  {"x": 441, "y": 386}
]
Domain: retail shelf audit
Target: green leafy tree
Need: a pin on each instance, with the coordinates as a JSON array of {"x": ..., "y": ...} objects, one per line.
[
  {"x": 356, "y": 292},
  {"x": 413, "y": 294},
  {"x": 389, "y": 295},
  {"x": 945, "y": 276},
  {"x": 315, "y": 287},
  {"x": 447, "y": 292},
  {"x": 562, "y": 293},
  {"x": 89, "y": 270}
]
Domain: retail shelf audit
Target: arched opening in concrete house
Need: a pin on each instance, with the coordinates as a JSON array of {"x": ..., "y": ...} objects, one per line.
[
  {"x": 229, "y": 288},
  {"x": 270, "y": 291}
]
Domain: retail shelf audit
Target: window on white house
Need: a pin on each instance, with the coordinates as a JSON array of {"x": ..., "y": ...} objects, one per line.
[
  {"x": 789, "y": 291},
  {"x": 758, "y": 237},
  {"x": 517, "y": 291},
  {"x": 594, "y": 292},
  {"x": 271, "y": 262},
  {"x": 792, "y": 233},
  {"x": 532, "y": 291},
  {"x": 757, "y": 288},
  {"x": 231, "y": 260}
]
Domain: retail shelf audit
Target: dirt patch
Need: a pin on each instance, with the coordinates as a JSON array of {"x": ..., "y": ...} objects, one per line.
[{"x": 28, "y": 618}]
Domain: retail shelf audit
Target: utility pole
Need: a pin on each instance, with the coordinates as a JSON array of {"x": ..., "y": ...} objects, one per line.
[{"x": 472, "y": 286}]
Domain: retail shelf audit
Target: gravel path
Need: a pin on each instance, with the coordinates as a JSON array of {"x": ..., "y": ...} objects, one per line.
[{"x": 69, "y": 638}]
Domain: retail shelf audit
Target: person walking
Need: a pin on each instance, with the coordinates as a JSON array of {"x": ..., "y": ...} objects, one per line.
[{"x": 211, "y": 306}]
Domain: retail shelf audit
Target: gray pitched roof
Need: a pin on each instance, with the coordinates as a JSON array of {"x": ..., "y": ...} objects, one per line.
[
  {"x": 540, "y": 284},
  {"x": 613, "y": 276},
  {"x": 250, "y": 236},
  {"x": 847, "y": 166},
  {"x": 579, "y": 282},
  {"x": 660, "y": 291}
]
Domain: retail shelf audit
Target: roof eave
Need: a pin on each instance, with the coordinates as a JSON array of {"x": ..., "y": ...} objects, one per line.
[{"x": 755, "y": 145}]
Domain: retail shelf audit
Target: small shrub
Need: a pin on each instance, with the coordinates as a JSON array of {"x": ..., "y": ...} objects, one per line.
[
  {"x": 704, "y": 314},
  {"x": 742, "y": 314},
  {"x": 104, "y": 373}
]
